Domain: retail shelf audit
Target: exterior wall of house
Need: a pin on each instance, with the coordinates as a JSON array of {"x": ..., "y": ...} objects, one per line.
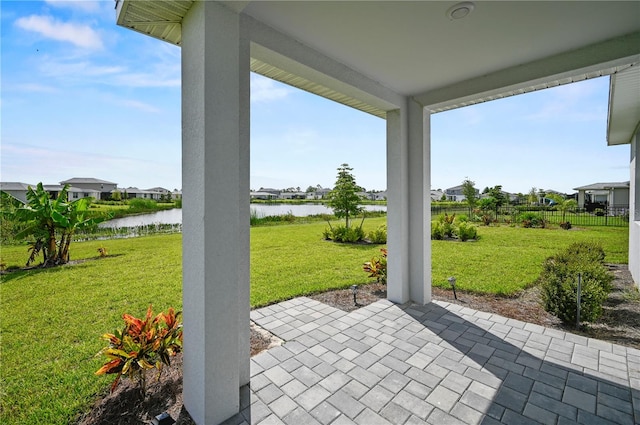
[
  {"x": 79, "y": 194},
  {"x": 619, "y": 198}
]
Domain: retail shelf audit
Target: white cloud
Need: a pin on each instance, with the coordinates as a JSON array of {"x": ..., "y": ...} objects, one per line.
[
  {"x": 147, "y": 80},
  {"x": 568, "y": 102},
  {"x": 36, "y": 88},
  {"x": 77, "y": 70},
  {"x": 89, "y": 6},
  {"x": 135, "y": 104},
  {"x": 266, "y": 90},
  {"x": 80, "y": 35}
]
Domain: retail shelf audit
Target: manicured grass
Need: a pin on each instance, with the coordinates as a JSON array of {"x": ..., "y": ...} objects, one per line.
[
  {"x": 51, "y": 320},
  {"x": 296, "y": 261},
  {"x": 508, "y": 259}
]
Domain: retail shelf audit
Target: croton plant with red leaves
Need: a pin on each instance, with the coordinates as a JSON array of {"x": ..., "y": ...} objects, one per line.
[{"x": 141, "y": 345}]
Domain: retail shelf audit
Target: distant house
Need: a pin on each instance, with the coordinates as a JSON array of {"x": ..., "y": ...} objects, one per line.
[
  {"x": 265, "y": 196},
  {"x": 104, "y": 187},
  {"x": 292, "y": 195},
  {"x": 436, "y": 195},
  {"x": 319, "y": 193},
  {"x": 161, "y": 190},
  {"x": 17, "y": 190},
  {"x": 134, "y": 192},
  {"x": 176, "y": 194},
  {"x": 510, "y": 197},
  {"x": 611, "y": 195},
  {"x": 73, "y": 193},
  {"x": 377, "y": 196},
  {"x": 455, "y": 194}
]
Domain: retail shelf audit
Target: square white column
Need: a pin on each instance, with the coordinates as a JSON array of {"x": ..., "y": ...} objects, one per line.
[
  {"x": 215, "y": 176},
  {"x": 634, "y": 210},
  {"x": 409, "y": 204}
]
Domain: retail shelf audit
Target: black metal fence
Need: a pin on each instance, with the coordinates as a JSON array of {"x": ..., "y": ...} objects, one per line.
[{"x": 609, "y": 216}]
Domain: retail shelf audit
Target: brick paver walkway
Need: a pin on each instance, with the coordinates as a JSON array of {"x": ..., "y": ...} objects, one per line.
[{"x": 436, "y": 364}]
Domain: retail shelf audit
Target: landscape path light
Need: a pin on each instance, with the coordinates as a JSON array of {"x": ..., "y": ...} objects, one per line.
[
  {"x": 452, "y": 282},
  {"x": 163, "y": 419},
  {"x": 354, "y": 290}
]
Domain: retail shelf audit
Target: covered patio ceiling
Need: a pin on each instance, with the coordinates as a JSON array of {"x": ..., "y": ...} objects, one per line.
[{"x": 417, "y": 49}]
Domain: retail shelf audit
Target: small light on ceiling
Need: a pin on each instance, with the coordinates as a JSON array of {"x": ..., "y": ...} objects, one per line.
[{"x": 460, "y": 10}]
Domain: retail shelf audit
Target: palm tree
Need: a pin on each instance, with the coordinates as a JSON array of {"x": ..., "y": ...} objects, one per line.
[{"x": 563, "y": 204}]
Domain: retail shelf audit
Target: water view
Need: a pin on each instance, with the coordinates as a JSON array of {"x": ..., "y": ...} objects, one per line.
[{"x": 174, "y": 216}]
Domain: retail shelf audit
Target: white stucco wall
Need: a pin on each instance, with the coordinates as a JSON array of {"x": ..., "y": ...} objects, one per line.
[{"x": 634, "y": 211}]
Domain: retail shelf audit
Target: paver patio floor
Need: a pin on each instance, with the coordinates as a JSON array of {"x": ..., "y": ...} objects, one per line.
[{"x": 436, "y": 364}]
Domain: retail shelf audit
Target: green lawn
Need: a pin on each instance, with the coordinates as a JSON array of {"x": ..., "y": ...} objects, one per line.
[{"x": 51, "y": 320}]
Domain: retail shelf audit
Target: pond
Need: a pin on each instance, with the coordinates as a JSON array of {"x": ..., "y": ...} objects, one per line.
[{"x": 174, "y": 216}]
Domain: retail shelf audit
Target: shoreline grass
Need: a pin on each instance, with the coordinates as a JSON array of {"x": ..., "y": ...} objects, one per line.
[{"x": 51, "y": 319}]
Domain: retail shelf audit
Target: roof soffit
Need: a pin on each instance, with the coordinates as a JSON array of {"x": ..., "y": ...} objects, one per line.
[
  {"x": 623, "y": 121},
  {"x": 411, "y": 49}
]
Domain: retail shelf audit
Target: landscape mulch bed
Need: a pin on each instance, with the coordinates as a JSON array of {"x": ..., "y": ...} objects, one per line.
[{"x": 619, "y": 324}]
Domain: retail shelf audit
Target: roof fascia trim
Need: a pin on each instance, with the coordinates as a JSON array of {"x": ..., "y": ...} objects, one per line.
[
  {"x": 518, "y": 79},
  {"x": 315, "y": 66}
]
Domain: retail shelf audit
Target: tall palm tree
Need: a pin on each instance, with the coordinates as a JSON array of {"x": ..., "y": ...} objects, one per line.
[{"x": 563, "y": 204}]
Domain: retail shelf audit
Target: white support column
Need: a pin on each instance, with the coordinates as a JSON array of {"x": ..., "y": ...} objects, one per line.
[
  {"x": 215, "y": 158},
  {"x": 634, "y": 210},
  {"x": 409, "y": 204}
]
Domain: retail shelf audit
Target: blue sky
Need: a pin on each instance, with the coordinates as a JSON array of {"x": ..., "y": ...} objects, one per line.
[{"x": 82, "y": 97}]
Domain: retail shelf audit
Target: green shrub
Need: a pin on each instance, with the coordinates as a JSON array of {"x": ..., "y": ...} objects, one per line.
[
  {"x": 462, "y": 218},
  {"x": 466, "y": 231},
  {"x": 342, "y": 233},
  {"x": 559, "y": 282},
  {"x": 379, "y": 235},
  {"x": 437, "y": 230},
  {"x": 142, "y": 204},
  {"x": 599, "y": 212},
  {"x": 443, "y": 228},
  {"x": 589, "y": 251},
  {"x": 531, "y": 219}
]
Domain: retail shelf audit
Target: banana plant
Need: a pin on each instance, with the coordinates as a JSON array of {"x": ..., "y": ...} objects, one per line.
[
  {"x": 73, "y": 219},
  {"x": 52, "y": 223},
  {"x": 38, "y": 213}
]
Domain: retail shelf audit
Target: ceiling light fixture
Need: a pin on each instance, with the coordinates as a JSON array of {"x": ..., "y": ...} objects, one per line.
[{"x": 460, "y": 10}]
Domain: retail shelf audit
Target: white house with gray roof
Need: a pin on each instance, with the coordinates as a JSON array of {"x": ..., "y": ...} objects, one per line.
[
  {"x": 17, "y": 190},
  {"x": 613, "y": 195},
  {"x": 102, "y": 186}
]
